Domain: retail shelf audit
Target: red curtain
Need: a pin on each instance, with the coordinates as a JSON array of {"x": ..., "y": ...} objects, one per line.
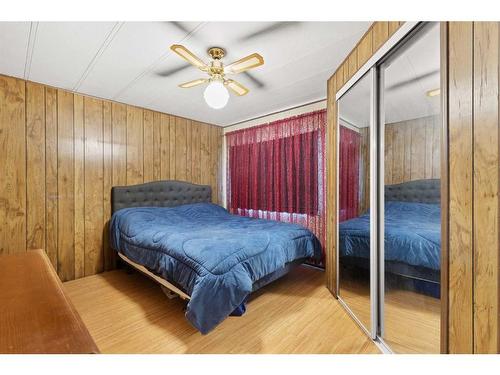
[
  {"x": 277, "y": 171},
  {"x": 348, "y": 173}
]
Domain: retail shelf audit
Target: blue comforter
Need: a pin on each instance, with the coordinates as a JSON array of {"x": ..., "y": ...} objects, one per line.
[
  {"x": 212, "y": 255},
  {"x": 412, "y": 234}
]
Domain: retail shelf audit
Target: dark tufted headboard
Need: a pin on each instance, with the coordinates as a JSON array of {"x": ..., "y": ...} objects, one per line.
[
  {"x": 159, "y": 194},
  {"x": 423, "y": 191}
]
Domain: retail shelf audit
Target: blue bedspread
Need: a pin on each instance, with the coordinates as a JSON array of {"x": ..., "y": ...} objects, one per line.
[
  {"x": 412, "y": 234},
  {"x": 213, "y": 255}
]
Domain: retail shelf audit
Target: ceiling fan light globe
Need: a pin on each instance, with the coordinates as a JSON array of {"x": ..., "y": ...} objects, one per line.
[{"x": 216, "y": 95}]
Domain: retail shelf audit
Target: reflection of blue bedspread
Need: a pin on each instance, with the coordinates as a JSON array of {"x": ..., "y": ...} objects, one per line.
[
  {"x": 213, "y": 255},
  {"x": 412, "y": 234}
]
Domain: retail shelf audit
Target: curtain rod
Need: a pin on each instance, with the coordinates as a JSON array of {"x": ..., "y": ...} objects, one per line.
[{"x": 275, "y": 113}]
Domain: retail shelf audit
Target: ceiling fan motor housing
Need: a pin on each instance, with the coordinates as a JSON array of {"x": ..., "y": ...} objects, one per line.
[
  {"x": 216, "y": 69},
  {"x": 216, "y": 53}
]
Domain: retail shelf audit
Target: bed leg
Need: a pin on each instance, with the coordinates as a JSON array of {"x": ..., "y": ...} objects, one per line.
[
  {"x": 128, "y": 269},
  {"x": 169, "y": 293}
]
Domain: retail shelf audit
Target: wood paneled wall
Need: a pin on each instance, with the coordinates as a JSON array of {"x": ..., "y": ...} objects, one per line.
[
  {"x": 412, "y": 150},
  {"x": 470, "y": 153},
  {"x": 372, "y": 40},
  {"x": 61, "y": 154},
  {"x": 474, "y": 245}
]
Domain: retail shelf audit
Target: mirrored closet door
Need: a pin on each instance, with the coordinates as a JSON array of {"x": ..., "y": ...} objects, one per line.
[
  {"x": 389, "y": 201},
  {"x": 356, "y": 241},
  {"x": 411, "y": 250}
]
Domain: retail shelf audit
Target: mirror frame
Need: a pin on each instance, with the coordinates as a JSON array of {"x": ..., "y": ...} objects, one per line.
[
  {"x": 399, "y": 37},
  {"x": 371, "y": 331}
]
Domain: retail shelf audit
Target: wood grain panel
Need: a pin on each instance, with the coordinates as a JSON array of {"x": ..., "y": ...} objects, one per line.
[
  {"x": 79, "y": 186},
  {"x": 436, "y": 150},
  {"x": 66, "y": 151},
  {"x": 393, "y": 26},
  {"x": 119, "y": 129},
  {"x": 148, "y": 145},
  {"x": 380, "y": 34},
  {"x": 412, "y": 150},
  {"x": 118, "y": 152},
  {"x": 215, "y": 155},
  {"x": 408, "y": 133},
  {"x": 365, "y": 48},
  {"x": 205, "y": 154},
  {"x": 212, "y": 158},
  {"x": 35, "y": 166},
  {"x": 165, "y": 150},
  {"x": 94, "y": 178},
  {"x": 12, "y": 166},
  {"x": 195, "y": 153},
  {"x": 398, "y": 161},
  {"x": 65, "y": 187},
  {"x": 157, "y": 150},
  {"x": 218, "y": 161},
  {"x": 417, "y": 150},
  {"x": 109, "y": 258},
  {"x": 135, "y": 144},
  {"x": 429, "y": 148},
  {"x": 331, "y": 188},
  {"x": 189, "y": 151},
  {"x": 51, "y": 224},
  {"x": 460, "y": 180},
  {"x": 172, "y": 149},
  {"x": 345, "y": 70},
  {"x": 486, "y": 187},
  {"x": 353, "y": 62},
  {"x": 180, "y": 149},
  {"x": 339, "y": 77}
]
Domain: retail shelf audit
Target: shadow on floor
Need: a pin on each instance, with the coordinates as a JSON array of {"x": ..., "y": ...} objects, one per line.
[{"x": 264, "y": 310}]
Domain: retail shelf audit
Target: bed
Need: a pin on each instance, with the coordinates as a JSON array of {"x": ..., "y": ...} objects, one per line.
[
  {"x": 412, "y": 242},
  {"x": 171, "y": 231}
]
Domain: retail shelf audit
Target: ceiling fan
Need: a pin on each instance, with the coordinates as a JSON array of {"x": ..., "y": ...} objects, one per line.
[{"x": 216, "y": 94}]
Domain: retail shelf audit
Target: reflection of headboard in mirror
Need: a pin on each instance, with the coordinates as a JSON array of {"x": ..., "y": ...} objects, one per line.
[
  {"x": 159, "y": 194},
  {"x": 423, "y": 191}
]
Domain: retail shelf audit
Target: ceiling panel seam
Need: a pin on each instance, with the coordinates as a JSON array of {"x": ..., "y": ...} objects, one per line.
[
  {"x": 157, "y": 61},
  {"x": 107, "y": 42},
  {"x": 30, "y": 49}
]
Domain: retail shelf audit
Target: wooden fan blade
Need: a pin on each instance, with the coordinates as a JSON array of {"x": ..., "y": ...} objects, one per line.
[
  {"x": 189, "y": 56},
  {"x": 236, "y": 87},
  {"x": 196, "y": 82},
  {"x": 251, "y": 61}
]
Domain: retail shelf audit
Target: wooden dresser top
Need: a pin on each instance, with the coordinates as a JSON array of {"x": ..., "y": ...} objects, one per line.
[{"x": 35, "y": 314}]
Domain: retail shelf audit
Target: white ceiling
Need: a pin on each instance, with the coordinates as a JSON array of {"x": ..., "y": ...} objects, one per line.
[
  {"x": 409, "y": 75},
  {"x": 119, "y": 61}
]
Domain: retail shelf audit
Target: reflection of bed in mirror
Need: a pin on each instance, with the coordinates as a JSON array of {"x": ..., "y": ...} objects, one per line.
[{"x": 412, "y": 241}]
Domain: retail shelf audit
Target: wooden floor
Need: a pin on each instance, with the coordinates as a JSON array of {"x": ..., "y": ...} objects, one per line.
[
  {"x": 296, "y": 314},
  {"x": 412, "y": 320}
]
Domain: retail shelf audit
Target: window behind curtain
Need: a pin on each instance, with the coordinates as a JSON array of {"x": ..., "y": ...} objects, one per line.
[{"x": 276, "y": 171}]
